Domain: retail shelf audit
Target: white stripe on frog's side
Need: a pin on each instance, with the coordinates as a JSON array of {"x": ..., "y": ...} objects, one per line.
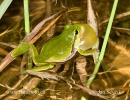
[{"x": 72, "y": 54}]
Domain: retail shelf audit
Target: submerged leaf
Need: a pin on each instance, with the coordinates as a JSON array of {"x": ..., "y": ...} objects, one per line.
[
  {"x": 81, "y": 69},
  {"x": 43, "y": 75}
]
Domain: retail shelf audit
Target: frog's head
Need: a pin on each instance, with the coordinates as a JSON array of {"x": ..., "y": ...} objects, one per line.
[{"x": 86, "y": 36}]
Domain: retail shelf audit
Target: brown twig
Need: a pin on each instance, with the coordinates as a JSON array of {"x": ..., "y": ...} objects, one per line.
[{"x": 43, "y": 31}]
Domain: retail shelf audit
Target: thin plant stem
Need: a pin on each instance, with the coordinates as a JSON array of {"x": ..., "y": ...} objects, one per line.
[
  {"x": 26, "y": 17},
  {"x": 27, "y": 29},
  {"x": 104, "y": 45}
]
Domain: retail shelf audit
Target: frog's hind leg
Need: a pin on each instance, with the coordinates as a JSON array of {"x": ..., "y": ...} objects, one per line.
[
  {"x": 38, "y": 61},
  {"x": 42, "y": 68}
]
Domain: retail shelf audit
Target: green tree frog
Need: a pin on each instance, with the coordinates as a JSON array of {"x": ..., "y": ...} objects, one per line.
[{"x": 76, "y": 37}]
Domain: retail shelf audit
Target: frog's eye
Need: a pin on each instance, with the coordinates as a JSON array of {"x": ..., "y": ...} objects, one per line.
[{"x": 76, "y": 32}]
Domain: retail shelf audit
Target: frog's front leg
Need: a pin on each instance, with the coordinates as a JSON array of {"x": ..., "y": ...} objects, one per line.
[{"x": 94, "y": 52}]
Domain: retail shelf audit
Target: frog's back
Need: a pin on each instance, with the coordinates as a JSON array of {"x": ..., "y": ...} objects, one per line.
[{"x": 59, "y": 47}]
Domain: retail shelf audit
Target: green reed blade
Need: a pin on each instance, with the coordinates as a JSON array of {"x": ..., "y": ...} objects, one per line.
[
  {"x": 104, "y": 44},
  {"x": 3, "y": 7}
]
